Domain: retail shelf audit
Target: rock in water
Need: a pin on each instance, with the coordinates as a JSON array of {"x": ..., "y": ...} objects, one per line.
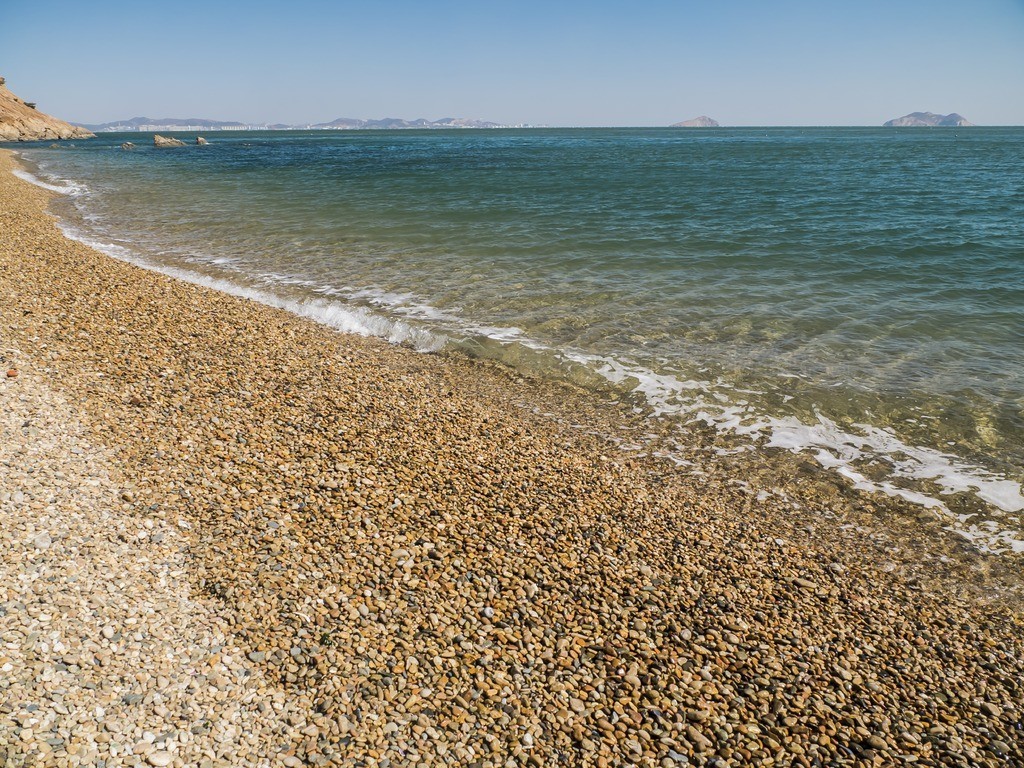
[
  {"x": 127, "y": 145},
  {"x": 166, "y": 141},
  {"x": 201, "y": 141}
]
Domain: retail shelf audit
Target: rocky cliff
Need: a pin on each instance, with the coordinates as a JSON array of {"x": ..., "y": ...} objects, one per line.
[
  {"x": 928, "y": 120},
  {"x": 21, "y": 121}
]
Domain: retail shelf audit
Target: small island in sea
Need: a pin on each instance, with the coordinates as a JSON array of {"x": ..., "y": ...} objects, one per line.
[
  {"x": 698, "y": 122},
  {"x": 928, "y": 120}
]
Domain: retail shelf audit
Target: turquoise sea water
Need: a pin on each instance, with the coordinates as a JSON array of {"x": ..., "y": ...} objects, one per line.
[{"x": 857, "y": 294}]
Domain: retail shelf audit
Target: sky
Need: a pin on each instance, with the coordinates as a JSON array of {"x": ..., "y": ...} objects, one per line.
[{"x": 559, "y": 62}]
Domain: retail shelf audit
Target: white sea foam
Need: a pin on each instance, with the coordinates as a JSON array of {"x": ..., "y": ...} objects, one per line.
[
  {"x": 333, "y": 314},
  {"x": 833, "y": 447},
  {"x": 837, "y": 447},
  {"x": 64, "y": 186}
]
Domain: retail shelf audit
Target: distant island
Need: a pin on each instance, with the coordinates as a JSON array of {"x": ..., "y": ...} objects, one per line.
[
  {"x": 928, "y": 120},
  {"x": 341, "y": 124},
  {"x": 698, "y": 122}
]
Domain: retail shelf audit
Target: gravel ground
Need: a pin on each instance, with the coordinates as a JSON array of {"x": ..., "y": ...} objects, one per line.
[
  {"x": 106, "y": 657},
  {"x": 339, "y": 552}
]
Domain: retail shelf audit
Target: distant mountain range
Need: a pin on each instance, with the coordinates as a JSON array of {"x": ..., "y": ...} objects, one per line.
[
  {"x": 166, "y": 123},
  {"x": 928, "y": 120},
  {"x": 914, "y": 119},
  {"x": 341, "y": 124},
  {"x": 350, "y": 123}
]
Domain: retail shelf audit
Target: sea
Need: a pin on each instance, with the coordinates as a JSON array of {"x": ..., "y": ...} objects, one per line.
[{"x": 852, "y": 294}]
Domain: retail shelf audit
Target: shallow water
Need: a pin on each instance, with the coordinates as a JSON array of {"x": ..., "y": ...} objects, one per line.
[{"x": 854, "y": 293}]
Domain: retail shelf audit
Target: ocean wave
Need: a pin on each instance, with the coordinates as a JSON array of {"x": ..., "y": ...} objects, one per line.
[
  {"x": 333, "y": 314},
  {"x": 833, "y": 446},
  {"x": 62, "y": 186}
]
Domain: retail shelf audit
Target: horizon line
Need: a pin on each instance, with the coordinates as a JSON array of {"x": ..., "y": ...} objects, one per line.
[{"x": 527, "y": 126}]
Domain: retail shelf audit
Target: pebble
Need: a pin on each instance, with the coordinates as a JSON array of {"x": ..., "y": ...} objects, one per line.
[
  {"x": 102, "y": 692},
  {"x": 876, "y": 742},
  {"x": 990, "y": 709}
]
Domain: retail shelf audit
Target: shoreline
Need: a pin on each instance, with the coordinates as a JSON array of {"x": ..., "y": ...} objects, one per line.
[
  {"x": 969, "y": 519},
  {"x": 975, "y": 493},
  {"x": 402, "y": 535}
]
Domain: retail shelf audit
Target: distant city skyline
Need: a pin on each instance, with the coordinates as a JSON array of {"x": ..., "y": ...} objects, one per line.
[{"x": 599, "y": 63}]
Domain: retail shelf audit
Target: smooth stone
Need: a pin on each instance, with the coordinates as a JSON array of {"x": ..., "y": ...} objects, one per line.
[
  {"x": 990, "y": 709},
  {"x": 876, "y": 742}
]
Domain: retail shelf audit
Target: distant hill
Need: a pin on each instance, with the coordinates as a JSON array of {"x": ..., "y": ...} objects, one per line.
[
  {"x": 392, "y": 123},
  {"x": 166, "y": 124},
  {"x": 341, "y": 124},
  {"x": 21, "y": 121},
  {"x": 928, "y": 120},
  {"x": 698, "y": 122}
]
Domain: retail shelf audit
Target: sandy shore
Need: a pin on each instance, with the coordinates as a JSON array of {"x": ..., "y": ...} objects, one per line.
[{"x": 231, "y": 536}]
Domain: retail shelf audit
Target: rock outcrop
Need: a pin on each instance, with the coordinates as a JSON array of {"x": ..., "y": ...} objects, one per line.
[
  {"x": 21, "y": 121},
  {"x": 127, "y": 145},
  {"x": 166, "y": 141},
  {"x": 201, "y": 141},
  {"x": 698, "y": 122},
  {"x": 928, "y": 120}
]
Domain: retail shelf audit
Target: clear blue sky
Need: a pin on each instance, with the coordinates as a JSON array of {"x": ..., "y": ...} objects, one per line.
[{"x": 744, "y": 62}]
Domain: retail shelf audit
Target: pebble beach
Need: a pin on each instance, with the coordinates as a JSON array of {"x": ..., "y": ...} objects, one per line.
[{"x": 231, "y": 536}]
